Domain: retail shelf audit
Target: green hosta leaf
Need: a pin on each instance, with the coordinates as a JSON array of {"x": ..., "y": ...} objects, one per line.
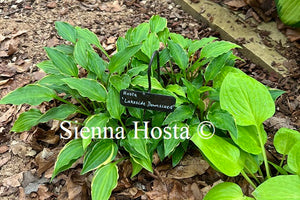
[
  {"x": 164, "y": 57},
  {"x": 178, "y": 55},
  {"x": 63, "y": 63},
  {"x": 122, "y": 43},
  {"x": 95, "y": 124},
  {"x": 289, "y": 12},
  {"x": 59, "y": 113},
  {"x": 136, "y": 70},
  {"x": 89, "y": 88},
  {"x": 177, "y": 155},
  {"x": 279, "y": 188},
  {"x": 164, "y": 35},
  {"x": 215, "y": 49},
  {"x": 136, "y": 146},
  {"x": 67, "y": 156},
  {"x": 104, "y": 181},
  {"x": 248, "y": 139},
  {"x": 27, "y": 120},
  {"x": 52, "y": 79},
  {"x": 176, "y": 89},
  {"x": 181, "y": 113},
  {"x": 150, "y": 45},
  {"x": 90, "y": 37},
  {"x": 157, "y": 23},
  {"x": 285, "y": 139},
  {"x": 66, "y": 49},
  {"x": 80, "y": 53},
  {"x": 193, "y": 94},
  {"x": 251, "y": 163},
  {"x": 225, "y": 158},
  {"x": 139, "y": 33},
  {"x": 48, "y": 67},
  {"x": 195, "y": 46},
  {"x": 278, "y": 168},
  {"x": 275, "y": 93},
  {"x": 294, "y": 158},
  {"x": 179, "y": 39},
  {"x": 30, "y": 94},
  {"x": 218, "y": 80},
  {"x": 101, "y": 154},
  {"x": 143, "y": 82},
  {"x": 96, "y": 64},
  {"x": 120, "y": 59},
  {"x": 223, "y": 120},
  {"x": 174, "y": 140},
  {"x": 136, "y": 112},
  {"x": 246, "y": 99},
  {"x": 114, "y": 107},
  {"x": 66, "y": 31},
  {"x": 120, "y": 82},
  {"x": 226, "y": 191},
  {"x": 136, "y": 168},
  {"x": 215, "y": 66}
]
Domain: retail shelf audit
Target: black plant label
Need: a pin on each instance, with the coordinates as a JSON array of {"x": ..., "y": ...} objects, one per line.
[{"x": 146, "y": 100}]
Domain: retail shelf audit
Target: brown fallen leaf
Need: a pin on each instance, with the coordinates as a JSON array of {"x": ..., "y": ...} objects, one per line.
[
  {"x": 236, "y": 3},
  {"x": 46, "y": 136},
  {"x": 4, "y": 160},
  {"x": 43, "y": 192},
  {"x": 3, "y": 149},
  {"x": 189, "y": 167},
  {"x": 21, "y": 149},
  {"x": 46, "y": 159},
  {"x": 293, "y": 34},
  {"x": 13, "y": 181},
  {"x": 7, "y": 116},
  {"x": 77, "y": 186},
  {"x": 12, "y": 49}
]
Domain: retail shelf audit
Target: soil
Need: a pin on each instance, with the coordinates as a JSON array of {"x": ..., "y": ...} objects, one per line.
[{"x": 27, "y": 159}]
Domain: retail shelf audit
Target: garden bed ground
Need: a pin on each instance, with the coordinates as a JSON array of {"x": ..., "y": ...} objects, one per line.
[{"x": 27, "y": 159}]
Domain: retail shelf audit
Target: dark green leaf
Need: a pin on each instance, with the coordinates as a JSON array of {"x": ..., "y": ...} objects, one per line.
[
  {"x": 214, "y": 49},
  {"x": 80, "y": 53},
  {"x": 89, "y": 88},
  {"x": 178, "y": 55},
  {"x": 150, "y": 45},
  {"x": 114, "y": 107},
  {"x": 66, "y": 31},
  {"x": 30, "y": 94},
  {"x": 67, "y": 156},
  {"x": 59, "y": 113},
  {"x": 195, "y": 46},
  {"x": 96, "y": 64},
  {"x": 180, "y": 114},
  {"x": 157, "y": 23},
  {"x": 120, "y": 82},
  {"x": 139, "y": 33},
  {"x": 215, "y": 66},
  {"x": 48, "y": 67},
  {"x": 27, "y": 120},
  {"x": 63, "y": 63}
]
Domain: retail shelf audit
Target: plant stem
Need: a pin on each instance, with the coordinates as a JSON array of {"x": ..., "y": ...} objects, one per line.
[
  {"x": 260, "y": 173},
  {"x": 281, "y": 163},
  {"x": 121, "y": 159},
  {"x": 124, "y": 127},
  {"x": 83, "y": 106},
  {"x": 248, "y": 179},
  {"x": 255, "y": 178},
  {"x": 263, "y": 152}
]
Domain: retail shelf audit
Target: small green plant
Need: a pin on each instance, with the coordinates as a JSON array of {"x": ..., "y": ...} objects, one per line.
[{"x": 199, "y": 74}]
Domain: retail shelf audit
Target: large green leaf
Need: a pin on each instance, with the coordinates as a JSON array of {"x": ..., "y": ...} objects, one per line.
[
  {"x": 67, "y": 156},
  {"x": 150, "y": 45},
  {"x": 285, "y": 139},
  {"x": 289, "y": 12},
  {"x": 120, "y": 59},
  {"x": 48, "y": 67},
  {"x": 104, "y": 181},
  {"x": 89, "y": 88},
  {"x": 176, "y": 89},
  {"x": 284, "y": 187},
  {"x": 120, "y": 82},
  {"x": 179, "y": 39},
  {"x": 246, "y": 99},
  {"x": 90, "y": 37},
  {"x": 30, "y": 94},
  {"x": 193, "y": 94},
  {"x": 157, "y": 23},
  {"x": 214, "y": 49},
  {"x": 59, "y": 113},
  {"x": 63, "y": 63},
  {"x": 122, "y": 43},
  {"x": 199, "y": 44},
  {"x": 181, "y": 113},
  {"x": 173, "y": 140},
  {"x": 95, "y": 124},
  {"x": 80, "y": 53},
  {"x": 226, "y": 191},
  {"x": 114, "y": 107},
  {"x": 215, "y": 66},
  {"x": 136, "y": 145},
  {"x": 96, "y": 64},
  {"x": 66, "y": 31},
  {"x": 294, "y": 158},
  {"x": 101, "y": 154},
  {"x": 218, "y": 80},
  {"x": 178, "y": 55},
  {"x": 222, "y": 154},
  {"x": 27, "y": 120},
  {"x": 139, "y": 33}
]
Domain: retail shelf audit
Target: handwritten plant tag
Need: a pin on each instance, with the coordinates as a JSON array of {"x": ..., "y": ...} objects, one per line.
[{"x": 147, "y": 100}]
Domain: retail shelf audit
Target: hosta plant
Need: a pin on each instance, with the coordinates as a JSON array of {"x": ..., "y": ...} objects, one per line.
[{"x": 199, "y": 74}]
